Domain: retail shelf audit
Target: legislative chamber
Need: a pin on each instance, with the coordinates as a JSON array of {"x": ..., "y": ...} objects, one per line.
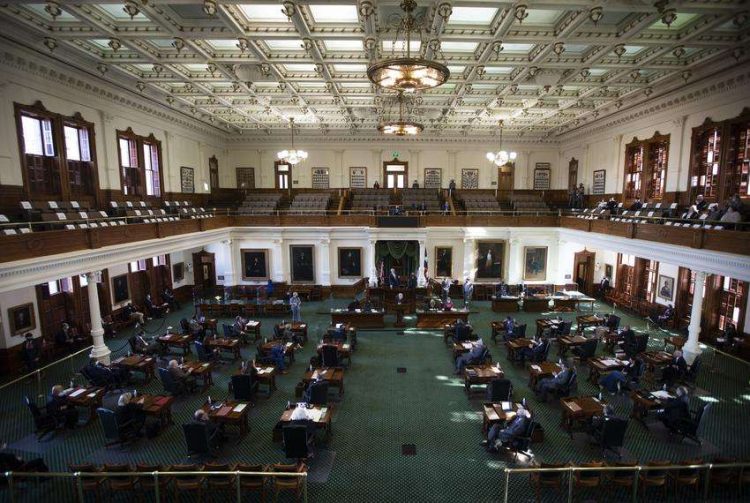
[{"x": 370, "y": 250}]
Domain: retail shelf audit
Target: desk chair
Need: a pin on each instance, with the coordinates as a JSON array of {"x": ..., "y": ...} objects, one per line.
[
  {"x": 115, "y": 432},
  {"x": 220, "y": 483},
  {"x": 297, "y": 441},
  {"x": 612, "y": 435},
  {"x": 253, "y": 483},
  {"x": 43, "y": 423},
  {"x": 147, "y": 483},
  {"x": 198, "y": 441},
  {"x": 499, "y": 390},
  {"x": 88, "y": 484},
  {"x": 588, "y": 479},
  {"x": 689, "y": 427},
  {"x": 621, "y": 478},
  {"x": 329, "y": 356},
  {"x": 688, "y": 477},
  {"x": 654, "y": 478},
  {"x": 521, "y": 443},
  {"x": 192, "y": 484},
  {"x": 244, "y": 387},
  {"x": 547, "y": 479},
  {"x": 293, "y": 484},
  {"x": 120, "y": 483}
]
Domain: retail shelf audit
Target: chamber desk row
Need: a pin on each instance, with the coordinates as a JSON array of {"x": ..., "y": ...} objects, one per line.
[{"x": 539, "y": 304}]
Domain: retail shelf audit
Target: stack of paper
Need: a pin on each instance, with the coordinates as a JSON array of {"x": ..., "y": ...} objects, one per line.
[
  {"x": 240, "y": 407},
  {"x": 78, "y": 392}
]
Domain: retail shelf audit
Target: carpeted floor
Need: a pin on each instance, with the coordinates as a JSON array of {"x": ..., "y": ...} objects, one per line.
[{"x": 384, "y": 410}]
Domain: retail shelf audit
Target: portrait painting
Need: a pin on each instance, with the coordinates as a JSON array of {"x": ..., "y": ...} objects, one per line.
[
  {"x": 120, "y": 288},
  {"x": 535, "y": 263},
  {"x": 21, "y": 318},
  {"x": 666, "y": 287},
  {"x": 608, "y": 271},
  {"x": 178, "y": 271},
  {"x": 444, "y": 261},
  {"x": 254, "y": 264},
  {"x": 489, "y": 263},
  {"x": 303, "y": 266},
  {"x": 350, "y": 262}
]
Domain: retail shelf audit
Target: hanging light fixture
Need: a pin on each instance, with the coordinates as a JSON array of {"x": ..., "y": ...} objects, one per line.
[
  {"x": 292, "y": 156},
  {"x": 501, "y": 157},
  {"x": 405, "y": 72},
  {"x": 402, "y": 126}
]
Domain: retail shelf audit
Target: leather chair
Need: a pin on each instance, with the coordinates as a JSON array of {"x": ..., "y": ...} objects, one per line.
[
  {"x": 115, "y": 432},
  {"x": 688, "y": 477},
  {"x": 612, "y": 434},
  {"x": 253, "y": 483},
  {"x": 653, "y": 478},
  {"x": 522, "y": 443},
  {"x": 203, "y": 354},
  {"x": 319, "y": 394},
  {"x": 329, "y": 356},
  {"x": 297, "y": 441},
  {"x": 293, "y": 484},
  {"x": 197, "y": 440},
  {"x": 244, "y": 387},
  {"x": 191, "y": 484},
  {"x": 547, "y": 479},
  {"x": 499, "y": 390},
  {"x": 170, "y": 385},
  {"x": 43, "y": 423},
  {"x": 689, "y": 427},
  {"x": 586, "y": 350}
]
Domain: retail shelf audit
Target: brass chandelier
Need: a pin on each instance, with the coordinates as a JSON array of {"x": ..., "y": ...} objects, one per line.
[{"x": 403, "y": 126}]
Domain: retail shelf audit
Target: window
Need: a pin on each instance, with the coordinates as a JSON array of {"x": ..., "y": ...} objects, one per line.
[
  {"x": 83, "y": 280},
  {"x": 706, "y": 159},
  {"x": 633, "y": 171},
  {"x": 138, "y": 265},
  {"x": 658, "y": 166},
  {"x": 652, "y": 268},
  {"x": 159, "y": 260},
  {"x": 53, "y": 287},
  {"x": 37, "y": 136},
  {"x": 646, "y": 168},
  {"x": 732, "y": 302},
  {"x": 140, "y": 164},
  {"x": 738, "y": 160},
  {"x": 78, "y": 158},
  {"x": 283, "y": 173}
]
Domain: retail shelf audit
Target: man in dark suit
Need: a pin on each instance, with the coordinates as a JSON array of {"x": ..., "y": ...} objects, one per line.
[
  {"x": 675, "y": 409},
  {"x": 155, "y": 311},
  {"x": 603, "y": 286},
  {"x": 676, "y": 368},
  {"x": 536, "y": 352},
  {"x": 183, "y": 379},
  {"x": 628, "y": 338},
  {"x": 393, "y": 281},
  {"x": 412, "y": 282},
  {"x": 499, "y": 435},
  {"x": 30, "y": 353},
  {"x": 58, "y": 408},
  {"x": 501, "y": 289},
  {"x": 596, "y": 424},
  {"x": 471, "y": 357},
  {"x": 127, "y": 410},
  {"x": 67, "y": 337},
  {"x": 214, "y": 432},
  {"x": 549, "y": 384},
  {"x": 169, "y": 298},
  {"x": 145, "y": 346},
  {"x": 510, "y": 326}
]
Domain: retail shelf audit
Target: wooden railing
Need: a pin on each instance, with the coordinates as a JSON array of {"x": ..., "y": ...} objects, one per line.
[{"x": 45, "y": 243}]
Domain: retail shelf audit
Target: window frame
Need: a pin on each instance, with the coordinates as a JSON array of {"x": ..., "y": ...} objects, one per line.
[
  {"x": 644, "y": 172},
  {"x": 141, "y": 188}
]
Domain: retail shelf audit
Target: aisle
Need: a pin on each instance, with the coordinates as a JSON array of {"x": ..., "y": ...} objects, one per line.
[{"x": 425, "y": 406}]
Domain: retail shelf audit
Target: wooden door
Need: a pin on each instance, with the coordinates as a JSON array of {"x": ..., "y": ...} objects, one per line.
[
  {"x": 583, "y": 271},
  {"x": 395, "y": 174},
  {"x": 204, "y": 270},
  {"x": 572, "y": 173},
  {"x": 283, "y": 175},
  {"x": 505, "y": 178},
  {"x": 213, "y": 173}
]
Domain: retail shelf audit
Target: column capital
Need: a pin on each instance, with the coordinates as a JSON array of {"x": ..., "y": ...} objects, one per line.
[
  {"x": 468, "y": 240},
  {"x": 325, "y": 241},
  {"x": 94, "y": 276}
]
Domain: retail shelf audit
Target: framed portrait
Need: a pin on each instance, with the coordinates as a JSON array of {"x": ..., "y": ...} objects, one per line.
[
  {"x": 254, "y": 264},
  {"x": 444, "y": 261},
  {"x": 187, "y": 179},
  {"x": 178, "y": 271},
  {"x": 489, "y": 263},
  {"x": 120, "y": 288},
  {"x": 21, "y": 318},
  {"x": 534, "y": 263},
  {"x": 303, "y": 265},
  {"x": 350, "y": 262},
  {"x": 666, "y": 287},
  {"x": 542, "y": 176},
  {"x": 608, "y": 271}
]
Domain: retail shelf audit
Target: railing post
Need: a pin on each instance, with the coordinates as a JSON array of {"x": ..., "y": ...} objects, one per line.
[
  {"x": 636, "y": 476},
  {"x": 79, "y": 486},
  {"x": 237, "y": 483},
  {"x": 507, "y": 484},
  {"x": 156, "y": 486},
  {"x": 304, "y": 488},
  {"x": 706, "y": 482},
  {"x": 570, "y": 484},
  {"x": 9, "y": 477}
]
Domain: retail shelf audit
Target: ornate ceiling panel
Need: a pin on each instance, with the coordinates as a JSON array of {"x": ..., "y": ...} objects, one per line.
[{"x": 248, "y": 67}]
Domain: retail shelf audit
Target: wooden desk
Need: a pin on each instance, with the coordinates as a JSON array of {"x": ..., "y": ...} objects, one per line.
[
  {"x": 460, "y": 348},
  {"x": 289, "y": 349},
  {"x": 231, "y": 346},
  {"x": 543, "y": 324},
  {"x": 88, "y": 397},
  {"x": 230, "y": 413},
  {"x": 578, "y": 410},
  {"x": 210, "y": 325},
  {"x": 159, "y": 406},
  {"x": 297, "y": 328},
  {"x": 603, "y": 365},
  {"x": 589, "y": 320},
  {"x": 201, "y": 370},
  {"x": 653, "y": 360},
  {"x": 536, "y": 305},
  {"x": 498, "y": 413},
  {"x": 569, "y": 341},
  {"x": 438, "y": 319},
  {"x": 333, "y": 376},
  {"x": 176, "y": 340},
  {"x": 583, "y": 300},
  {"x": 541, "y": 370},
  {"x": 505, "y": 304},
  {"x": 322, "y": 415},
  {"x": 450, "y": 331},
  {"x": 344, "y": 350},
  {"x": 516, "y": 345},
  {"x": 675, "y": 340},
  {"x": 481, "y": 375},
  {"x": 267, "y": 375},
  {"x": 565, "y": 304},
  {"x": 138, "y": 363},
  {"x": 643, "y": 403},
  {"x": 361, "y": 319},
  {"x": 252, "y": 327},
  {"x": 610, "y": 340}
]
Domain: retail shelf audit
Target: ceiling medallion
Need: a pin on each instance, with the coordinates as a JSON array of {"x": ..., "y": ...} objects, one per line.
[
  {"x": 403, "y": 126},
  {"x": 131, "y": 8},
  {"x": 596, "y": 14},
  {"x": 210, "y": 7},
  {"x": 406, "y": 73},
  {"x": 501, "y": 158},
  {"x": 292, "y": 156},
  {"x": 53, "y": 9}
]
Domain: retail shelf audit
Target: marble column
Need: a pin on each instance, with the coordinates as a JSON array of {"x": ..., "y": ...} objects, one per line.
[
  {"x": 100, "y": 351},
  {"x": 230, "y": 272},
  {"x": 421, "y": 280},
  {"x": 468, "y": 258},
  {"x": 277, "y": 261},
  {"x": 692, "y": 347},
  {"x": 370, "y": 267},
  {"x": 325, "y": 262}
]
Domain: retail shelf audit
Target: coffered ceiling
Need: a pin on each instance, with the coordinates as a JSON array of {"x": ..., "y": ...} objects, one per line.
[{"x": 544, "y": 67}]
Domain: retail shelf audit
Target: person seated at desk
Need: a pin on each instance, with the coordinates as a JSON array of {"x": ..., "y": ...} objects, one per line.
[
  {"x": 637, "y": 205},
  {"x": 617, "y": 379},
  {"x": 182, "y": 379},
  {"x": 215, "y": 435},
  {"x": 367, "y": 306},
  {"x": 411, "y": 283},
  {"x": 168, "y": 295},
  {"x": 238, "y": 328},
  {"x": 536, "y": 352},
  {"x": 67, "y": 337},
  {"x": 501, "y": 289},
  {"x": 155, "y": 311},
  {"x": 727, "y": 339},
  {"x": 277, "y": 355},
  {"x": 698, "y": 207},
  {"x": 30, "y": 353},
  {"x": 195, "y": 328},
  {"x": 550, "y": 384},
  {"x": 448, "y": 304},
  {"x": 500, "y": 434},
  {"x": 628, "y": 339},
  {"x": 676, "y": 368},
  {"x": 57, "y": 407},
  {"x": 131, "y": 313},
  {"x": 665, "y": 317},
  {"x": 509, "y": 325},
  {"x": 596, "y": 423},
  {"x": 106, "y": 376},
  {"x": 10, "y": 462},
  {"x": 432, "y": 304},
  {"x": 127, "y": 410},
  {"x": 471, "y": 357},
  {"x": 675, "y": 409},
  {"x": 288, "y": 335},
  {"x": 144, "y": 345}
]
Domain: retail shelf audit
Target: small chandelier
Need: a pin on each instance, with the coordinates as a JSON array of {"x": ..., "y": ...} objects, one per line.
[
  {"x": 502, "y": 157},
  {"x": 292, "y": 156},
  {"x": 402, "y": 126},
  {"x": 406, "y": 73}
]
